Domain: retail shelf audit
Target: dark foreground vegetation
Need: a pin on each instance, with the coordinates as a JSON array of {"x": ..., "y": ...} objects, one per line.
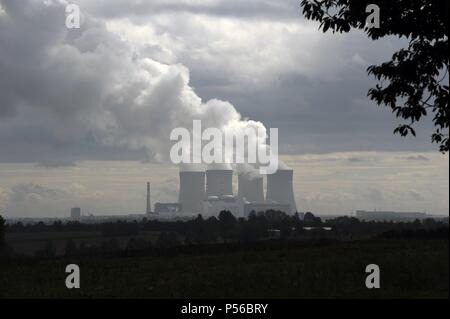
[
  {"x": 269, "y": 255},
  {"x": 267, "y": 269},
  {"x": 75, "y": 238}
]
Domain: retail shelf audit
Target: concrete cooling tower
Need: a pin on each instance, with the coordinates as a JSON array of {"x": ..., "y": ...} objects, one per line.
[
  {"x": 192, "y": 191},
  {"x": 219, "y": 182},
  {"x": 250, "y": 187},
  {"x": 280, "y": 188}
]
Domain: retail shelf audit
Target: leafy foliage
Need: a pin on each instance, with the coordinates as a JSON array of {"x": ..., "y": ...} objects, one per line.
[
  {"x": 414, "y": 82},
  {"x": 2, "y": 232}
]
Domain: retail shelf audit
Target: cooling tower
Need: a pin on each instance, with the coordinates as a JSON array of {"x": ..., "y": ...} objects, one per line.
[
  {"x": 250, "y": 187},
  {"x": 192, "y": 191},
  {"x": 219, "y": 182},
  {"x": 280, "y": 188}
]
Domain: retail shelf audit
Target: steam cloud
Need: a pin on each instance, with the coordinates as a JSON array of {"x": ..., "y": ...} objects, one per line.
[{"x": 89, "y": 82}]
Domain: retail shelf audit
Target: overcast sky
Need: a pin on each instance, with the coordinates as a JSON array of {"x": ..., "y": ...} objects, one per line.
[{"x": 85, "y": 115}]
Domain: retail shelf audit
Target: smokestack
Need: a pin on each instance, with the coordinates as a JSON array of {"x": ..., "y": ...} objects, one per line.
[
  {"x": 280, "y": 188},
  {"x": 149, "y": 207},
  {"x": 219, "y": 182},
  {"x": 250, "y": 187},
  {"x": 192, "y": 191}
]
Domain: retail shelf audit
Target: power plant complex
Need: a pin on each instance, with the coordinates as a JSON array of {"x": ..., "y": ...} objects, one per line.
[{"x": 210, "y": 192}]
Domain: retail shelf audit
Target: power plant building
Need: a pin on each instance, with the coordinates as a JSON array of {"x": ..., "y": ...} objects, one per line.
[
  {"x": 280, "y": 188},
  {"x": 250, "y": 187},
  {"x": 214, "y": 205},
  {"x": 219, "y": 182},
  {"x": 210, "y": 192},
  {"x": 192, "y": 191},
  {"x": 161, "y": 208},
  {"x": 75, "y": 213}
]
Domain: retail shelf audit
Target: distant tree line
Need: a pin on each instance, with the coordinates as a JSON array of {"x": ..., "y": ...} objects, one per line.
[
  {"x": 226, "y": 228},
  {"x": 2, "y": 233}
]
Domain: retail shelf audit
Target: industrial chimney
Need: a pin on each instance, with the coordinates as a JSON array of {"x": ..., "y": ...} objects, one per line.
[
  {"x": 219, "y": 182},
  {"x": 250, "y": 187},
  {"x": 149, "y": 207},
  {"x": 280, "y": 188},
  {"x": 192, "y": 191}
]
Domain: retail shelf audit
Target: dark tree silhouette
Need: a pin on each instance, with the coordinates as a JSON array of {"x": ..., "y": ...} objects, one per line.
[
  {"x": 137, "y": 244},
  {"x": 47, "y": 252},
  {"x": 2, "y": 232},
  {"x": 167, "y": 240},
  {"x": 71, "y": 247},
  {"x": 110, "y": 246},
  {"x": 227, "y": 223},
  {"x": 227, "y": 218},
  {"x": 414, "y": 82},
  {"x": 309, "y": 218}
]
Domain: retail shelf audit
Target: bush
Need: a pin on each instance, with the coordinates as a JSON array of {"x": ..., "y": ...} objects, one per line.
[{"x": 2, "y": 233}]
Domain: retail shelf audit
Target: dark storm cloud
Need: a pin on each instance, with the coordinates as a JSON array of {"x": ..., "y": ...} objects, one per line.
[
  {"x": 262, "y": 9},
  {"x": 322, "y": 116},
  {"x": 42, "y": 97},
  {"x": 55, "y": 83}
]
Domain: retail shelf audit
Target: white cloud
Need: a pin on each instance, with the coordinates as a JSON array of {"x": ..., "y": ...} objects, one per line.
[{"x": 90, "y": 83}]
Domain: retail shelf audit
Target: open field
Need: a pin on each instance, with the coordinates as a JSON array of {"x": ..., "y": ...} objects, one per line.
[
  {"x": 312, "y": 269},
  {"x": 28, "y": 243}
]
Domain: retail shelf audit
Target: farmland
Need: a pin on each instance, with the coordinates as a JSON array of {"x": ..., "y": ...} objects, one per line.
[
  {"x": 414, "y": 268},
  {"x": 29, "y": 243}
]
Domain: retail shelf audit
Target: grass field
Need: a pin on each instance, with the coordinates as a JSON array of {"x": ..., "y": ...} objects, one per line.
[
  {"x": 28, "y": 243},
  {"x": 409, "y": 269}
]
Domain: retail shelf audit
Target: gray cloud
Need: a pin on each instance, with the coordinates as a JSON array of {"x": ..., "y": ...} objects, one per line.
[
  {"x": 35, "y": 193},
  {"x": 357, "y": 159},
  {"x": 373, "y": 195},
  {"x": 92, "y": 94},
  {"x": 71, "y": 91},
  {"x": 417, "y": 158},
  {"x": 27, "y": 199},
  {"x": 256, "y": 9},
  {"x": 416, "y": 195}
]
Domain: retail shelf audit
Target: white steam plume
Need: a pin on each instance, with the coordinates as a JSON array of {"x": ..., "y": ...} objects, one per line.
[{"x": 90, "y": 82}]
